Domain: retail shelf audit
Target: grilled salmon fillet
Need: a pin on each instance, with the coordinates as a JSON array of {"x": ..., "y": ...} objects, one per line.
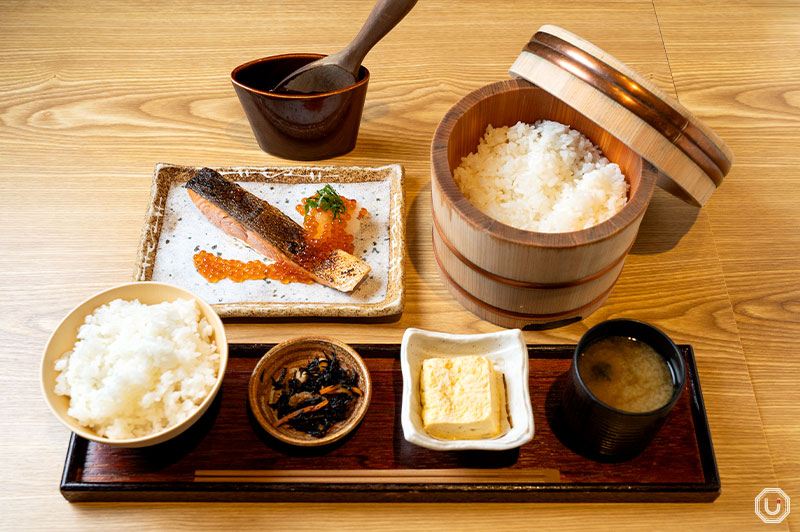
[{"x": 269, "y": 231}]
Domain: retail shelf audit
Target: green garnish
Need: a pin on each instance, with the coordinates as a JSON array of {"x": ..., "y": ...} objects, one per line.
[{"x": 326, "y": 199}]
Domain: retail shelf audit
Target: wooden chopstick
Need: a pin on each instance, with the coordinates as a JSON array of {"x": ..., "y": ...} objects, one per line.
[{"x": 388, "y": 476}]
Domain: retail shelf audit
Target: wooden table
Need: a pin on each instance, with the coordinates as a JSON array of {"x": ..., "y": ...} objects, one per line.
[{"x": 94, "y": 95}]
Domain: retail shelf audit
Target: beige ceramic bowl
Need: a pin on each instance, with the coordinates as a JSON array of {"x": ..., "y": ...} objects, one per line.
[
  {"x": 296, "y": 353},
  {"x": 65, "y": 336}
]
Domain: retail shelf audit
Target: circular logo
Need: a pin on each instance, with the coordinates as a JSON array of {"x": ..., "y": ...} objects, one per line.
[{"x": 772, "y": 505}]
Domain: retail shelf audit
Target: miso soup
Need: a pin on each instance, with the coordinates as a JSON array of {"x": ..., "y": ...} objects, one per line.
[{"x": 626, "y": 374}]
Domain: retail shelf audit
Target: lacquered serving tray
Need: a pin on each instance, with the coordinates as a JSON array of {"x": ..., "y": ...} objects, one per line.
[{"x": 227, "y": 457}]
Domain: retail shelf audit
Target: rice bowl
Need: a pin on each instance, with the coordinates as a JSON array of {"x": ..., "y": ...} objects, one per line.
[
  {"x": 65, "y": 336},
  {"x": 138, "y": 369}
]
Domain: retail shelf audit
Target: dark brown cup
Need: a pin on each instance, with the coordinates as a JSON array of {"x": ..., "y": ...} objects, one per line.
[
  {"x": 301, "y": 127},
  {"x": 605, "y": 433}
]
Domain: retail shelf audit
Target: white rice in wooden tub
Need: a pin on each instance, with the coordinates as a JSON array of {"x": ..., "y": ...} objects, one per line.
[
  {"x": 543, "y": 177},
  {"x": 138, "y": 369}
]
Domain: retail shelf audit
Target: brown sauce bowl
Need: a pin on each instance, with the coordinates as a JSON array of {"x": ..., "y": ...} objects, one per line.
[{"x": 300, "y": 127}]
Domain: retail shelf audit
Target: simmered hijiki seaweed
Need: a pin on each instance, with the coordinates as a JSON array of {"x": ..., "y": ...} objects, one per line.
[{"x": 316, "y": 396}]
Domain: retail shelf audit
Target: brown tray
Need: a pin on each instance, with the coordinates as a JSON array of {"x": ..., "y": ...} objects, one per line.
[{"x": 226, "y": 456}]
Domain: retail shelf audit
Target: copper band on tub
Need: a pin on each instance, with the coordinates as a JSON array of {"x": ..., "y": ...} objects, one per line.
[
  {"x": 637, "y": 99},
  {"x": 523, "y": 284},
  {"x": 519, "y": 315}
]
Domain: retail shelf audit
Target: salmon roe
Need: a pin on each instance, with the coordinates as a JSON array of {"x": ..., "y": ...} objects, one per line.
[
  {"x": 324, "y": 234},
  {"x": 215, "y": 268}
]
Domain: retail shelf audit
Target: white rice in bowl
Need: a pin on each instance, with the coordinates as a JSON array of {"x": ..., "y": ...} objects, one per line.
[
  {"x": 543, "y": 177},
  {"x": 138, "y": 369}
]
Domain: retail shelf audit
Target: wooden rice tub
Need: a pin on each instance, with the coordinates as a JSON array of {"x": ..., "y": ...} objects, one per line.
[{"x": 517, "y": 278}]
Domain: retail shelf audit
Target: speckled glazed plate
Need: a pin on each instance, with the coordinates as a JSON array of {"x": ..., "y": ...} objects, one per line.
[{"x": 174, "y": 230}]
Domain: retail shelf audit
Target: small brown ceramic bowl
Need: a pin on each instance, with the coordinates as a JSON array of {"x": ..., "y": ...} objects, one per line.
[
  {"x": 297, "y": 353},
  {"x": 301, "y": 127}
]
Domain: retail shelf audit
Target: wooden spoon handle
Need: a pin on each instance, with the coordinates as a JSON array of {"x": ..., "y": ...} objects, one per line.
[{"x": 384, "y": 16}]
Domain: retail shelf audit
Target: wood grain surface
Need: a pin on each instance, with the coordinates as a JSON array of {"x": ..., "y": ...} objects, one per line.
[
  {"x": 758, "y": 203},
  {"x": 94, "y": 95}
]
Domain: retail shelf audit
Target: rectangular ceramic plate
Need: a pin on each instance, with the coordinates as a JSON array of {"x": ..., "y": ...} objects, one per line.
[
  {"x": 506, "y": 351},
  {"x": 174, "y": 230},
  {"x": 226, "y": 456}
]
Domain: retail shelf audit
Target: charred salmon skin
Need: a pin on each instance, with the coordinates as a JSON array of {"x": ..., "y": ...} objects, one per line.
[{"x": 269, "y": 231}]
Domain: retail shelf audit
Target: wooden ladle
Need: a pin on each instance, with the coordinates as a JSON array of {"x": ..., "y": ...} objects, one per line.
[{"x": 340, "y": 70}]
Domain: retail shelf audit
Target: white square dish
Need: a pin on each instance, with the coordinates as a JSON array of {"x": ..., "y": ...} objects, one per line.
[
  {"x": 175, "y": 229},
  {"x": 509, "y": 355}
]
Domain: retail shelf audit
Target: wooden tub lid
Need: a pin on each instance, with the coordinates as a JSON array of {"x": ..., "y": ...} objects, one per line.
[{"x": 692, "y": 160}]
